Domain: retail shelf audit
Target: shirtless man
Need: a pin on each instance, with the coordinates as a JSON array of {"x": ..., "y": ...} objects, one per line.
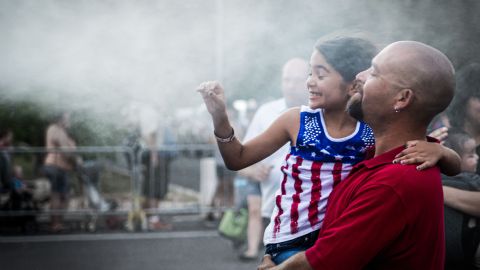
[{"x": 57, "y": 166}]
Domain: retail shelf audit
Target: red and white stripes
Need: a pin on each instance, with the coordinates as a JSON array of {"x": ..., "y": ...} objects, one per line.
[{"x": 310, "y": 182}]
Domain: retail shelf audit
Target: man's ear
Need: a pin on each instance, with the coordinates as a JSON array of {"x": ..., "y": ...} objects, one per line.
[{"x": 403, "y": 99}]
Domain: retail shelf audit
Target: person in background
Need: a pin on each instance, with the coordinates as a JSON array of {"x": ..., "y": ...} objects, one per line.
[
  {"x": 6, "y": 137},
  {"x": 145, "y": 136},
  {"x": 264, "y": 177},
  {"x": 462, "y": 230},
  {"x": 58, "y": 166},
  {"x": 464, "y": 114}
]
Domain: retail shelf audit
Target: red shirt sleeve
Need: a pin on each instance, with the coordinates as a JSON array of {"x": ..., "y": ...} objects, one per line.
[{"x": 372, "y": 219}]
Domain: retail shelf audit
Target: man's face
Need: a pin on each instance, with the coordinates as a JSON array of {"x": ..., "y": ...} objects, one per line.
[
  {"x": 294, "y": 78},
  {"x": 373, "y": 99},
  {"x": 354, "y": 105}
]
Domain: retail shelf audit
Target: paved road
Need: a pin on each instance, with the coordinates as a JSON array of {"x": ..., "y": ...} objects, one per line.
[
  {"x": 143, "y": 251},
  {"x": 190, "y": 245}
]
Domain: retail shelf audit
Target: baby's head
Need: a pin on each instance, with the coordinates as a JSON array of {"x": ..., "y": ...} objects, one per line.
[{"x": 464, "y": 145}]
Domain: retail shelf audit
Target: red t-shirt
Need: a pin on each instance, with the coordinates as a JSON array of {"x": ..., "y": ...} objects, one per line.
[{"x": 383, "y": 216}]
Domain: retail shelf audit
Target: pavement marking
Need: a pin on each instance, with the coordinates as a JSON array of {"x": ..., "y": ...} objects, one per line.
[{"x": 108, "y": 236}]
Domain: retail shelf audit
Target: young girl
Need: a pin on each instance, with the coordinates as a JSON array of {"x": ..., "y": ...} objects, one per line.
[{"x": 325, "y": 143}]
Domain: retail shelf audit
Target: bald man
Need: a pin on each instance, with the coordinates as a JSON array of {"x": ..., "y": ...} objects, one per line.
[{"x": 386, "y": 215}]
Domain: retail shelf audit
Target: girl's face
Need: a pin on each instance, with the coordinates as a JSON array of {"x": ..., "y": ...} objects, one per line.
[
  {"x": 325, "y": 85},
  {"x": 469, "y": 157}
]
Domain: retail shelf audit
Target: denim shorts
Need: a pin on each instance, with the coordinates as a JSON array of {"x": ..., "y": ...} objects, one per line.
[
  {"x": 244, "y": 188},
  {"x": 284, "y": 250},
  {"x": 58, "y": 178}
]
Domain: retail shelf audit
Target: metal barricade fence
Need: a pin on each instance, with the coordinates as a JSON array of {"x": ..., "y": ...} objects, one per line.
[
  {"x": 187, "y": 175},
  {"x": 101, "y": 159},
  {"x": 191, "y": 168}
]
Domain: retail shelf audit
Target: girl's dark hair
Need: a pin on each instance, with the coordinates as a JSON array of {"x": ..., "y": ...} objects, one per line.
[
  {"x": 347, "y": 55},
  {"x": 468, "y": 86},
  {"x": 456, "y": 140}
]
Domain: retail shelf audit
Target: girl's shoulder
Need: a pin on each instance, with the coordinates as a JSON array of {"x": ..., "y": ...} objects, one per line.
[{"x": 291, "y": 113}]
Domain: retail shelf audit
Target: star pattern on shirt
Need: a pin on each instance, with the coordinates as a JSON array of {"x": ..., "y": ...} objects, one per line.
[
  {"x": 367, "y": 137},
  {"x": 312, "y": 129},
  {"x": 325, "y": 151},
  {"x": 350, "y": 147},
  {"x": 315, "y": 145}
]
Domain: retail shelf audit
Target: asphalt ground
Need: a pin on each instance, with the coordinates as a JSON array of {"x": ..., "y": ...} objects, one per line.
[
  {"x": 179, "y": 248},
  {"x": 192, "y": 243}
]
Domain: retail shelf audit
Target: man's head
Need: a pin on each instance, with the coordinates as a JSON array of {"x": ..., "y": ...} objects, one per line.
[
  {"x": 408, "y": 80},
  {"x": 62, "y": 119},
  {"x": 294, "y": 77}
]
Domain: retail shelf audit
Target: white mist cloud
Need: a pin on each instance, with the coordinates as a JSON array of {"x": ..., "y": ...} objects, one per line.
[
  {"x": 91, "y": 52},
  {"x": 100, "y": 55}
]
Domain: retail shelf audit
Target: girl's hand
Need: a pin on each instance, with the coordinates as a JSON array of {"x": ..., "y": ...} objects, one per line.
[
  {"x": 214, "y": 97},
  {"x": 427, "y": 154}
]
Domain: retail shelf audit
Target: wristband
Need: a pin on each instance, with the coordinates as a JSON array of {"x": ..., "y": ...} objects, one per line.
[{"x": 225, "y": 140}]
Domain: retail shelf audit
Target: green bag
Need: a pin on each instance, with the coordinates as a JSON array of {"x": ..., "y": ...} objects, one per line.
[{"x": 234, "y": 224}]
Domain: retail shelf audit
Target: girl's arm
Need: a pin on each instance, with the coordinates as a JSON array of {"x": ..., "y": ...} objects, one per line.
[
  {"x": 428, "y": 154},
  {"x": 235, "y": 154}
]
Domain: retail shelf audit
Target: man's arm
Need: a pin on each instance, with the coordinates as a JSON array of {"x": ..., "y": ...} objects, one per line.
[
  {"x": 465, "y": 201},
  {"x": 61, "y": 139},
  {"x": 58, "y": 137}
]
